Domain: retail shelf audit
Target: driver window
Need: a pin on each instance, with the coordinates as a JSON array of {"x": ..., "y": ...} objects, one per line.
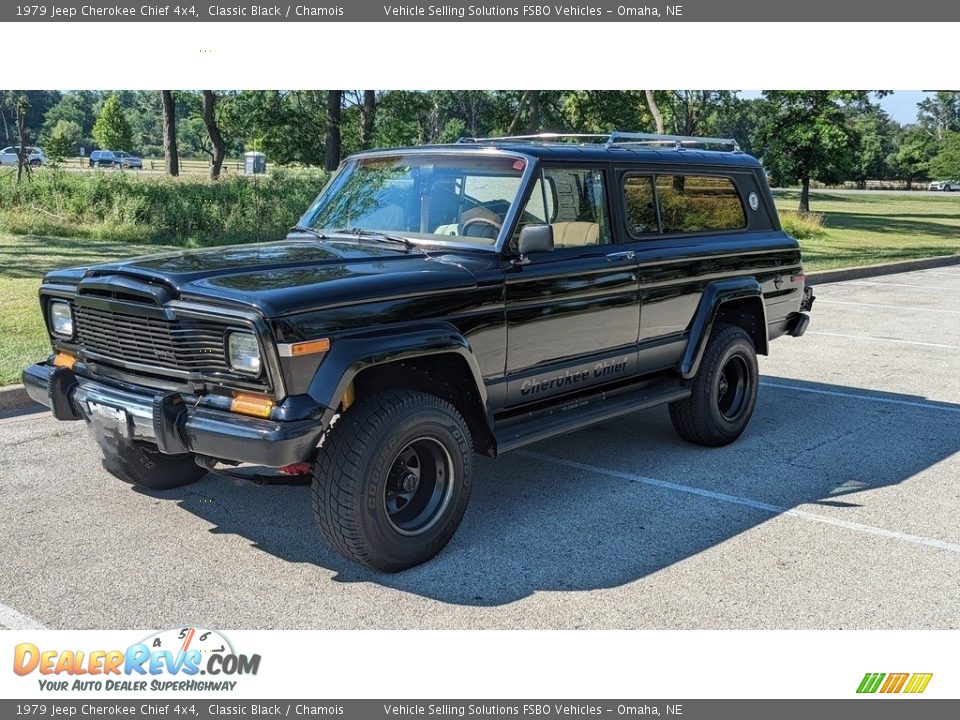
[{"x": 574, "y": 202}]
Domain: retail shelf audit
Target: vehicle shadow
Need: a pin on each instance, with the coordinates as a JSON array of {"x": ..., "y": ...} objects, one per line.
[{"x": 614, "y": 503}]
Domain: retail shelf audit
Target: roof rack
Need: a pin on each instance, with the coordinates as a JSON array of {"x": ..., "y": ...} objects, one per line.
[
  {"x": 678, "y": 141},
  {"x": 613, "y": 139},
  {"x": 538, "y": 137}
]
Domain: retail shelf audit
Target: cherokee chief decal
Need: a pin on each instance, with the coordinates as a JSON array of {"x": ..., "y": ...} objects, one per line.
[{"x": 572, "y": 377}]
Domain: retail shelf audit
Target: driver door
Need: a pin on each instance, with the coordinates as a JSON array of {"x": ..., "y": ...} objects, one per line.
[{"x": 573, "y": 314}]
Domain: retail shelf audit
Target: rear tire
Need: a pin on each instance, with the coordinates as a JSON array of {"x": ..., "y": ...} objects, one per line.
[
  {"x": 392, "y": 479},
  {"x": 144, "y": 465},
  {"x": 723, "y": 393}
]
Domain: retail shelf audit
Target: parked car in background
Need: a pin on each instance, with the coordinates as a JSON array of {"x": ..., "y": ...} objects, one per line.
[
  {"x": 945, "y": 185},
  {"x": 126, "y": 160},
  {"x": 103, "y": 158},
  {"x": 35, "y": 156}
]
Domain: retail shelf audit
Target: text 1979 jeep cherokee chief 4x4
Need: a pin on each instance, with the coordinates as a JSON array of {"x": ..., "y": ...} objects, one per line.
[{"x": 434, "y": 302}]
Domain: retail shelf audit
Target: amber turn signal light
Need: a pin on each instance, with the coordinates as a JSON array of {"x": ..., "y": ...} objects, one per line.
[
  {"x": 65, "y": 361},
  {"x": 309, "y": 347},
  {"x": 250, "y": 404}
]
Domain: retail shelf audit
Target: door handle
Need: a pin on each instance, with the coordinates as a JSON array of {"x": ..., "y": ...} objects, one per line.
[{"x": 621, "y": 256}]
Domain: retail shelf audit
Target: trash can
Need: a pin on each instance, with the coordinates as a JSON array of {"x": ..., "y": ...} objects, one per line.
[{"x": 254, "y": 163}]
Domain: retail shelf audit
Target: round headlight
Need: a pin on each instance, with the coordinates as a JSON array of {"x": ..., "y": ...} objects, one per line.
[
  {"x": 61, "y": 319},
  {"x": 244, "y": 353}
]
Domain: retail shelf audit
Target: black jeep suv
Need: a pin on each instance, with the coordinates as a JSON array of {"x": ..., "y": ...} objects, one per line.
[{"x": 435, "y": 302}]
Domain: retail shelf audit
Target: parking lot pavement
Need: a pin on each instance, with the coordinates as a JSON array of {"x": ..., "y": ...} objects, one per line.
[{"x": 836, "y": 509}]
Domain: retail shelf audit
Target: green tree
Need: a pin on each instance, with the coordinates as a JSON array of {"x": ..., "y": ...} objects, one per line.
[
  {"x": 63, "y": 140},
  {"x": 600, "y": 111},
  {"x": 694, "y": 112},
  {"x": 39, "y": 102},
  {"x": 808, "y": 134},
  {"x": 940, "y": 113},
  {"x": 876, "y": 143},
  {"x": 739, "y": 119},
  {"x": 112, "y": 130},
  {"x": 910, "y": 161},
  {"x": 78, "y": 107},
  {"x": 946, "y": 163}
]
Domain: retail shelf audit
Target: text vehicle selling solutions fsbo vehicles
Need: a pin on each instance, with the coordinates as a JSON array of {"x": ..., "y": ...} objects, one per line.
[{"x": 432, "y": 303}]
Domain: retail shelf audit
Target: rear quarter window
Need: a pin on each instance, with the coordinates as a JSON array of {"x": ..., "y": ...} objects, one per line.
[{"x": 699, "y": 203}]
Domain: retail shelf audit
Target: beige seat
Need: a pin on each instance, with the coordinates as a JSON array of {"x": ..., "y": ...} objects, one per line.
[{"x": 575, "y": 234}]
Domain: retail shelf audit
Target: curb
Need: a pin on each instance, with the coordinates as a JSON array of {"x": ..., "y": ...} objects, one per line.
[
  {"x": 823, "y": 277},
  {"x": 15, "y": 397}
]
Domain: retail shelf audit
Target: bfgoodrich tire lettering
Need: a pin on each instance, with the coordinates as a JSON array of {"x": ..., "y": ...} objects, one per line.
[
  {"x": 723, "y": 393},
  {"x": 144, "y": 465},
  {"x": 369, "y": 460}
]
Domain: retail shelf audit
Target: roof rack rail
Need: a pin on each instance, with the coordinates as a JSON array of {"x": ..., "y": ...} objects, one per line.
[
  {"x": 537, "y": 137},
  {"x": 613, "y": 139},
  {"x": 678, "y": 141}
]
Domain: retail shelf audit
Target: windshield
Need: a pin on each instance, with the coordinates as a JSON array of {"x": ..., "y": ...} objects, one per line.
[{"x": 465, "y": 198}]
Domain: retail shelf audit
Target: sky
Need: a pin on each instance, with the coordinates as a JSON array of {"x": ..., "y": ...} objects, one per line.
[{"x": 901, "y": 106}]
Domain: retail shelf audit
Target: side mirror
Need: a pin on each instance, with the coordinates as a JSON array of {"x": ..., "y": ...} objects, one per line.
[{"x": 536, "y": 238}]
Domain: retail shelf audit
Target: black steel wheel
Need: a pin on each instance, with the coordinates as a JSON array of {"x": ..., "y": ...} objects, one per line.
[
  {"x": 733, "y": 388},
  {"x": 419, "y": 486},
  {"x": 724, "y": 392}
]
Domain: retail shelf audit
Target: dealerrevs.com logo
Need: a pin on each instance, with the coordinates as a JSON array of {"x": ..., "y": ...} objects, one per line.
[{"x": 172, "y": 660}]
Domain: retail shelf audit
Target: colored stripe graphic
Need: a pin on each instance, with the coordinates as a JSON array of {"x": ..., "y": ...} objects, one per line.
[
  {"x": 870, "y": 682},
  {"x": 918, "y": 683},
  {"x": 894, "y": 682}
]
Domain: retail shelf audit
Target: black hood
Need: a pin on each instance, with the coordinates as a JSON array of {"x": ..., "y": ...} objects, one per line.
[{"x": 294, "y": 275}]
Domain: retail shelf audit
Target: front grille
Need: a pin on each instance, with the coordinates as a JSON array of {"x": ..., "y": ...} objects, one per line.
[{"x": 168, "y": 344}]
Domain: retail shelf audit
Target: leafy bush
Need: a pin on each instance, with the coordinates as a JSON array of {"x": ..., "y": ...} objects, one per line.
[
  {"x": 803, "y": 226},
  {"x": 177, "y": 211}
]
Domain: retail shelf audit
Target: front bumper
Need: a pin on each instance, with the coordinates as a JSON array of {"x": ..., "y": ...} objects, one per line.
[{"x": 173, "y": 425}]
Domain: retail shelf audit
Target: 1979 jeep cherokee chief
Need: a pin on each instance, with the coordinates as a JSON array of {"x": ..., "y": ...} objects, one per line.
[{"x": 435, "y": 302}]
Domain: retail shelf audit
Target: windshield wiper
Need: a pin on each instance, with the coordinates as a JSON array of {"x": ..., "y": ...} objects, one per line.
[
  {"x": 376, "y": 235},
  {"x": 309, "y": 230}
]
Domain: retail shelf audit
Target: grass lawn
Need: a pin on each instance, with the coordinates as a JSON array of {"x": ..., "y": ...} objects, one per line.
[
  {"x": 860, "y": 229},
  {"x": 23, "y": 260},
  {"x": 864, "y": 228}
]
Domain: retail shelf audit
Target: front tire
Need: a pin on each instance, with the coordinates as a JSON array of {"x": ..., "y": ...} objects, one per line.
[
  {"x": 145, "y": 466},
  {"x": 723, "y": 393},
  {"x": 392, "y": 479}
]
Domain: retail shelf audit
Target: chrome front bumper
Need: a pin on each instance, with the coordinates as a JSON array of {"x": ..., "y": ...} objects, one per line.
[{"x": 170, "y": 423}]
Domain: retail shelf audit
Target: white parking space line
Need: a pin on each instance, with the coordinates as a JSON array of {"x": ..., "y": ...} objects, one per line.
[
  {"x": 747, "y": 502},
  {"x": 10, "y": 619},
  {"x": 874, "y": 283},
  {"x": 824, "y": 301},
  {"x": 933, "y": 273},
  {"x": 883, "y": 339},
  {"x": 860, "y": 396}
]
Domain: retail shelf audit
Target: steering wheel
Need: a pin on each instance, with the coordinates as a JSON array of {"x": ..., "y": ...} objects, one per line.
[{"x": 480, "y": 221}]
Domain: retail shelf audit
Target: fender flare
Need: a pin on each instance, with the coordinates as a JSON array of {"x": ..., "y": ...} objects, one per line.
[
  {"x": 349, "y": 356},
  {"x": 714, "y": 296}
]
